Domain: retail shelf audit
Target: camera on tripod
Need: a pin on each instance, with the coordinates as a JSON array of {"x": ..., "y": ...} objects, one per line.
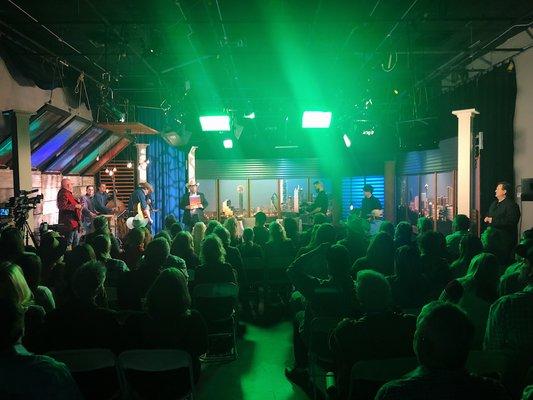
[{"x": 18, "y": 207}]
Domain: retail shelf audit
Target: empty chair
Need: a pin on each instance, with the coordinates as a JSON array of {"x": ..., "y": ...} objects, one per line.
[
  {"x": 216, "y": 302},
  {"x": 157, "y": 374},
  {"x": 88, "y": 366}
]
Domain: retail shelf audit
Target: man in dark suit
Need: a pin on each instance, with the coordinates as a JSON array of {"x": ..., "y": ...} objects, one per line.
[
  {"x": 69, "y": 212},
  {"x": 192, "y": 205}
]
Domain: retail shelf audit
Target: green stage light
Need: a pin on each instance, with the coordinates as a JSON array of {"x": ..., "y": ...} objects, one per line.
[
  {"x": 316, "y": 119},
  {"x": 215, "y": 123},
  {"x": 250, "y": 116},
  {"x": 228, "y": 143},
  {"x": 347, "y": 140}
]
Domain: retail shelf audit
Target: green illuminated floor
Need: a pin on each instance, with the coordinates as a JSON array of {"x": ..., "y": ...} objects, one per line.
[{"x": 258, "y": 372}]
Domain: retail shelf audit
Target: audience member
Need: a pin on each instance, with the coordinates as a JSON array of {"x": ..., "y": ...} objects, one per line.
[
  {"x": 341, "y": 302},
  {"x": 278, "y": 245},
  {"x": 317, "y": 264},
  {"x": 74, "y": 258},
  {"x": 355, "y": 240},
  {"x": 24, "y": 375},
  {"x": 261, "y": 233},
  {"x": 291, "y": 229},
  {"x": 469, "y": 247},
  {"x": 165, "y": 235},
  {"x": 51, "y": 251},
  {"x": 442, "y": 343},
  {"x": 182, "y": 246},
  {"x": 211, "y": 225},
  {"x": 198, "y": 234},
  {"x": 248, "y": 248},
  {"x": 214, "y": 268},
  {"x": 231, "y": 225},
  {"x": 475, "y": 292},
  {"x": 432, "y": 246},
  {"x": 495, "y": 242},
  {"x": 379, "y": 334},
  {"x": 233, "y": 257},
  {"x": 30, "y": 263},
  {"x": 423, "y": 225},
  {"x": 387, "y": 227},
  {"x": 403, "y": 235},
  {"x": 133, "y": 248},
  {"x": 101, "y": 227},
  {"x": 175, "y": 229},
  {"x": 379, "y": 256},
  {"x": 514, "y": 278},
  {"x": 170, "y": 219},
  {"x": 408, "y": 286},
  {"x": 510, "y": 321},
  {"x": 460, "y": 228},
  {"x": 11, "y": 243},
  {"x": 114, "y": 268},
  {"x": 80, "y": 323},
  {"x": 169, "y": 322}
]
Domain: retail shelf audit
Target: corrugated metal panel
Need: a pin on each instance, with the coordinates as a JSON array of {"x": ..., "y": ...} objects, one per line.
[
  {"x": 257, "y": 168},
  {"x": 438, "y": 160},
  {"x": 352, "y": 191}
]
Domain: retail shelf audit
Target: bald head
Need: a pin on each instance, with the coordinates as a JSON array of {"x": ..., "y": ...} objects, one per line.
[{"x": 66, "y": 184}]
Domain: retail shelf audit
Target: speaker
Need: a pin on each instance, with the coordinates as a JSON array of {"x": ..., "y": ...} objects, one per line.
[{"x": 527, "y": 189}]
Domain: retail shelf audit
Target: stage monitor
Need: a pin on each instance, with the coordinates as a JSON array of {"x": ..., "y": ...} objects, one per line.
[{"x": 527, "y": 189}]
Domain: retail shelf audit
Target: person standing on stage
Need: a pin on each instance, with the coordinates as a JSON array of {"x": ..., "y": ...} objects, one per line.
[
  {"x": 69, "y": 212},
  {"x": 321, "y": 203},
  {"x": 504, "y": 214},
  {"x": 138, "y": 200},
  {"x": 88, "y": 212},
  {"x": 100, "y": 200},
  {"x": 193, "y": 204},
  {"x": 370, "y": 202}
]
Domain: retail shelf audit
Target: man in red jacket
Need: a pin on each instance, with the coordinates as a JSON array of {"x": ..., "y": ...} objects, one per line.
[{"x": 69, "y": 212}]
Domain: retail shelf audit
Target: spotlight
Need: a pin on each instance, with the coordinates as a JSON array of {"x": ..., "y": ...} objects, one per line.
[
  {"x": 250, "y": 116},
  {"x": 129, "y": 164},
  {"x": 228, "y": 143},
  {"x": 316, "y": 119},
  {"x": 396, "y": 91},
  {"x": 215, "y": 123},
  {"x": 347, "y": 140}
]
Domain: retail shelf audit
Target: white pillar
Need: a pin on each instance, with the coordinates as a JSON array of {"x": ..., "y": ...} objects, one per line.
[
  {"x": 191, "y": 164},
  {"x": 464, "y": 159},
  {"x": 142, "y": 162}
]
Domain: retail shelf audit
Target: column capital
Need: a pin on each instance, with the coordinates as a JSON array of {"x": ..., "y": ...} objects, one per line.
[{"x": 469, "y": 111}]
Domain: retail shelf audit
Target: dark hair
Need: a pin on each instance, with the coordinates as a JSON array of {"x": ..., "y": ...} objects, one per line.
[
  {"x": 175, "y": 229},
  {"x": 373, "y": 290},
  {"x": 248, "y": 235},
  {"x": 88, "y": 279},
  {"x": 212, "y": 250},
  {"x": 424, "y": 224},
  {"x": 317, "y": 183},
  {"x": 169, "y": 220},
  {"x": 319, "y": 219},
  {"x": 406, "y": 262},
  {"x": 11, "y": 321},
  {"x": 135, "y": 237},
  {"x": 223, "y": 234},
  {"x": 291, "y": 227},
  {"x": 12, "y": 243},
  {"x": 211, "y": 225},
  {"x": 387, "y": 227},
  {"x": 168, "y": 296},
  {"x": 403, "y": 233},
  {"x": 368, "y": 188},
  {"x": 325, "y": 233},
  {"x": 338, "y": 259},
  {"x": 260, "y": 218},
  {"x": 507, "y": 187},
  {"x": 100, "y": 222},
  {"x": 461, "y": 223},
  {"x": 380, "y": 253},
  {"x": 469, "y": 246},
  {"x": 443, "y": 336},
  {"x": 156, "y": 253},
  {"x": 182, "y": 245},
  {"x": 101, "y": 245},
  {"x": 76, "y": 257},
  {"x": 484, "y": 271},
  {"x": 165, "y": 235},
  {"x": 432, "y": 244},
  {"x": 277, "y": 232},
  {"x": 31, "y": 266},
  {"x": 89, "y": 186}
]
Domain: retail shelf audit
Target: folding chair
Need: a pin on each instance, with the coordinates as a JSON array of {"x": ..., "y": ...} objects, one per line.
[
  {"x": 157, "y": 374},
  {"x": 89, "y": 366},
  {"x": 216, "y": 302},
  {"x": 368, "y": 376},
  {"x": 254, "y": 270},
  {"x": 320, "y": 357}
]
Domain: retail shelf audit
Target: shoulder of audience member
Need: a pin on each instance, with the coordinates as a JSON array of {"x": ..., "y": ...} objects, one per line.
[
  {"x": 54, "y": 378},
  {"x": 175, "y": 261}
]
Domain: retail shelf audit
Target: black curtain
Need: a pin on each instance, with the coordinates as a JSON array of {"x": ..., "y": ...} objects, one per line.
[{"x": 493, "y": 94}]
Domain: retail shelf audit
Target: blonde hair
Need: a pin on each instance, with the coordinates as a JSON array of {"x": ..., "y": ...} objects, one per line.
[
  {"x": 198, "y": 234},
  {"x": 13, "y": 286}
]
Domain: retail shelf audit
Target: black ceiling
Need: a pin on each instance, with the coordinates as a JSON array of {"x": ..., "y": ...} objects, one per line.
[{"x": 274, "y": 57}]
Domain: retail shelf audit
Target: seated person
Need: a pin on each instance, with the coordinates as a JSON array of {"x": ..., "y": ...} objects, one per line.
[
  {"x": 379, "y": 256},
  {"x": 31, "y": 267},
  {"x": 169, "y": 322},
  {"x": 248, "y": 248},
  {"x": 214, "y": 268},
  {"x": 260, "y": 231},
  {"x": 342, "y": 304},
  {"x": 278, "y": 245},
  {"x": 514, "y": 278},
  {"x": 233, "y": 257},
  {"x": 101, "y": 227},
  {"x": 355, "y": 240},
  {"x": 460, "y": 228},
  {"x": 80, "y": 323},
  {"x": 115, "y": 268},
  {"x": 133, "y": 286},
  {"x": 442, "y": 343},
  {"x": 133, "y": 248},
  {"x": 24, "y": 375},
  {"x": 182, "y": 246},
  {"x": 380, "y": 333},
  {"x": 469, "y": 247}
]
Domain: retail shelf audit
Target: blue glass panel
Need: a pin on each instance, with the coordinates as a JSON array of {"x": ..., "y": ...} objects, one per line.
[{"x": 91, "y": 157}]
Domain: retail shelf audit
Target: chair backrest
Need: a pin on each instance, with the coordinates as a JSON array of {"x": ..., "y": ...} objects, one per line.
[
  {"x": 383, "y": 370},
  {"x": 279, "y": 262},
  {"x": 156, "y": 360},
  {"x": 215, "y": 290},
  {"x": 319, "y": 332},
  {"x": 83, "y": 360},
  {"x": 253, "y": 263},
  {"x": 490, "y": 362}
]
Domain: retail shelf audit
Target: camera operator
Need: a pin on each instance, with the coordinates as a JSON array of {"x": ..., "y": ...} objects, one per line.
[{"x": 69, "y": 213}]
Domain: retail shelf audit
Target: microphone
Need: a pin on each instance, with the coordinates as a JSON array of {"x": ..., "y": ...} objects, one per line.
[{"x": 27, "y": 192}]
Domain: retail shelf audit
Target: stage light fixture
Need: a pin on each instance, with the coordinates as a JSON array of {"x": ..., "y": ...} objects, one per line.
[
  {"x": 215, "y": 123},
  {"x": 228, "y": 143},
  {"x": 316, "y": 119},
  {"x": 347, "y": 140},
  {"x": 250, "y": 116}
]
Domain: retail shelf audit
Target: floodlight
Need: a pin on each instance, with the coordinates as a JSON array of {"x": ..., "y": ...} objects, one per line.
[
  {"x": 316, "y": 119},
  {"x": 215, "y": 123},
  {"x": 250, "y": 116},
  {"x": 228, "y": 143},
  {"x": 347, "y": 140}
]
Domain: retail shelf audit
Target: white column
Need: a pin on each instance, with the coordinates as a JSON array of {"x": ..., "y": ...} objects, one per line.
[
  {"x": 464, "y": 159},
  {"x": 191, "y": 164},
  {"x": 142, "y": 162}
]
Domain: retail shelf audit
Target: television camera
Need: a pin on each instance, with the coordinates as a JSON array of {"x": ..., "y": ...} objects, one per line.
[{"x": 17, "y": 209}]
